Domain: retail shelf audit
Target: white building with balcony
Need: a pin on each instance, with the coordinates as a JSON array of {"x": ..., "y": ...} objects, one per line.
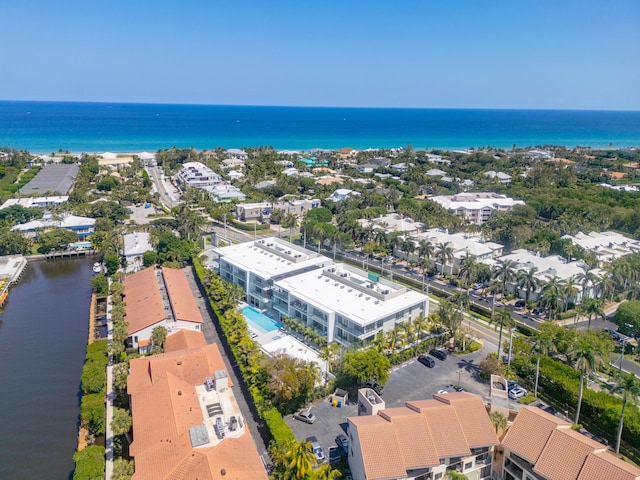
[
  {"x": 343, "y": 303},
  {"x": 346, "y": 304},
  {"x": 476, "y": 207},
  {"x": 256, "y": 265},
  {"x": 198, "y": 175}
]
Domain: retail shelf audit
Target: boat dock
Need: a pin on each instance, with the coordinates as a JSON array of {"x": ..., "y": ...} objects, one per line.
[
  {"x": 71, "y": 254},
  {"x": 11, "y": 269}
]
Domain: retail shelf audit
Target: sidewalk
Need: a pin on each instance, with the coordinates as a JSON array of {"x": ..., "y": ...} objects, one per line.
[{"x": 111, "y": 395}]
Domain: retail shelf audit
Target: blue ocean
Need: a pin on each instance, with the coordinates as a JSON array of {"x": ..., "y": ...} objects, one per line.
[{"x": 44, "y": 127}]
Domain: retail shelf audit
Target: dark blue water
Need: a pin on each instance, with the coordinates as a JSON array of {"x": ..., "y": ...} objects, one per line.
[
  {"x": 43, "y": 339},
  {"x": 43, "y": 127}
]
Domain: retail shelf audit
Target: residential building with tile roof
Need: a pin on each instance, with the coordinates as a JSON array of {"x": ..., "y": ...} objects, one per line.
[
  {"x": 158, "y": 298},
  {"x": 539, "y": 445},
  {"x": 186, "y": 421},
  {"x": 422, "y": 440}
]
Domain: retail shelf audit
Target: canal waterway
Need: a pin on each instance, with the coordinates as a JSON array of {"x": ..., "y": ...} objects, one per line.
[{"x": 43, "y": 339}]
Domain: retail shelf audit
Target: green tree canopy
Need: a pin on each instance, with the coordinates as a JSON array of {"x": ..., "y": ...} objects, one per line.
[
  {"x": 56, "y": 239},
  {"x": 365, "y": 365},
  {"x": 629, "y": 313}
]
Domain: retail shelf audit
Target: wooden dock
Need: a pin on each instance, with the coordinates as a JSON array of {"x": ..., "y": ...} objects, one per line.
[{"x": 71, "y": 254}]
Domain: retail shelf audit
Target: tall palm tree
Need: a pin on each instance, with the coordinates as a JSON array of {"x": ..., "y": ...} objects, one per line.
[
  {"x": 593, "y": 307},
  {"x": 290, "y": 221},
  {"x": 420, "y": 324},
  {"x": 468, "y": 270},
  {"x": 551, "y": 297},
  {"x": 503, "y": 320},
  {"x": 300, "y": 459},
  {"x": 504, "y": 271},
  {"x": 586, "y": 357},
  {"x": 633, "y": 293},
  {"x": 408, "y": 247},
  {"x": 629, "y": 386},
  {"x": 444, "y": 254},
  {"x": 528, "y": 281},
  {"x": 498, "y": 420},
  {"x": 326, "y": 472},
  {"x": 425, "y": 250},
  {"x": 587, "y": 278},
  {"x": 569, "y": 290},
  {"x": 329, "y": 353},
  {"x": 542, "y": 341}
]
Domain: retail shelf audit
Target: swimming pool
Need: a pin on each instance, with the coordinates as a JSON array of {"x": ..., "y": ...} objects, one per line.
[{"x": 259, "y": 322}]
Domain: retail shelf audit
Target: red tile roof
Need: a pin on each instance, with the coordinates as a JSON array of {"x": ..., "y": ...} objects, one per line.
[
  {"x": 165, "y": 405},
  {"x": 142, "y": 299},
  {"x": 559, "y": 453},
  {"x": 181, "y": 296}
]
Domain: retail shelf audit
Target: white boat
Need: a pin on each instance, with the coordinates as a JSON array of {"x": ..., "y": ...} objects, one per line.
[{"x": 97, "y": 267}]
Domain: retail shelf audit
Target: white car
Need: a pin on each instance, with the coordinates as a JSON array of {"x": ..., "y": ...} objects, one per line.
[{"x": 517, "y": 393}]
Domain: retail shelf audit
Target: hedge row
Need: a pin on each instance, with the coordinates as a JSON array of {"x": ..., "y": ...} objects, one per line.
[
  {"x": 93, "y": 410},
  {"x": 245, "y": 351},
  {"x": 561, "y": 383},
  {"x": 249, "y": 227}
]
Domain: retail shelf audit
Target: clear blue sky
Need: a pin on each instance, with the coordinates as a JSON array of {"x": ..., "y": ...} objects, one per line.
[{"x": 560, "y": 54}]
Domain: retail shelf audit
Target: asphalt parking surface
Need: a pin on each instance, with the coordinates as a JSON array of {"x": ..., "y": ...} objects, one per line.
[{"x": 409, "y": 381}]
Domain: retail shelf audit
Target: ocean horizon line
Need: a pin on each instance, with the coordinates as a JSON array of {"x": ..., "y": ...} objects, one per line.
[
  {"x": 50, "y": 126},
  {"x": 329, "y": 107}
]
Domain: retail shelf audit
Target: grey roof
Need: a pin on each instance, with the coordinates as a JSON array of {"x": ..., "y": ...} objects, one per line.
[{"x": 52, "y": 179}]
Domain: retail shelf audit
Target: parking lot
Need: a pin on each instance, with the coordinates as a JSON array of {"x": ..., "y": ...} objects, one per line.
[{"x": 409, "y": 381}]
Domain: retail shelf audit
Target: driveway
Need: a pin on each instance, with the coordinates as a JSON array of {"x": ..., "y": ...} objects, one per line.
[{"x": 409, "y": 381}]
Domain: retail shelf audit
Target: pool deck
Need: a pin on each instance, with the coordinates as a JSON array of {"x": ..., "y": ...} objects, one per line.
[{"x": 280, "y": 341}]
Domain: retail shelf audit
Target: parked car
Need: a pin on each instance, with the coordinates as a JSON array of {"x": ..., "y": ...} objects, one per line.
[
  {"x": 304, "y": 416},
  {"x": 316, "y": 448},
  {"x": 375, "y": 386},
  {"x": 343, "y": 443},
  {"x": 439, "y": 354},
  {"x": 442, "y": 391},
  {"x": 538, "y": 310},
  {"x": 477, "y": 286},
  {"x": 335, "y": 455},
  {"x": 520, "y": 304},
  {"x": 517, "y": 393},
  {"x": 511, "y": 384},
  {"x": 427, "y": 361}
]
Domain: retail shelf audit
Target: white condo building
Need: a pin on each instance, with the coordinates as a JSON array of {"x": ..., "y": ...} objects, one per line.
[
  {"x": 477, "y": 207},
  {"x": 198, "y": 175},
  {"x": 343, "y": 303},
  {"x": 606, "y": 245}
]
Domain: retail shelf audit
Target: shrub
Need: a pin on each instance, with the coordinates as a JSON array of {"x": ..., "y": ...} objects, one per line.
[
  {"x": 526, "y": 400},
  {"x": 93, "y": 412},
  {"x": 90, "y": 463}
]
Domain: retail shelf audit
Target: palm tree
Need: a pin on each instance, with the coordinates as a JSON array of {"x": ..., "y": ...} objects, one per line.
[
  {"x": 290, "y": 221},
  {"x": 503, "y": 320},
  {"x": 593, "y": 306},
  {"x": 569, "y": 290},
  {"x": 528, "y": 281},
  {"x": 394, "y": 338},
  {"x": 586, "y": 278},
  {"x": 444, "y": 254},
  {"x": 498, "y": 420},
  {"x": 504, "y": 271},
  {"x": 408, "y": 247},
  {"x": 326, "y": 472},
  {"x": 468, "y": 270},
  {"x": 300, "y": 459},
  {"x": 633, "y": 293},
  {"x": 425, "y": 250},
  {"x": 551, "y": 296},
  {"x": 543, "y": 340},
  {"x": 586, "y": 357},
  {"x": 329, "y": 353},
  {"x": 421, "y": 324},
  {"x": 629, "y": 386}
]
